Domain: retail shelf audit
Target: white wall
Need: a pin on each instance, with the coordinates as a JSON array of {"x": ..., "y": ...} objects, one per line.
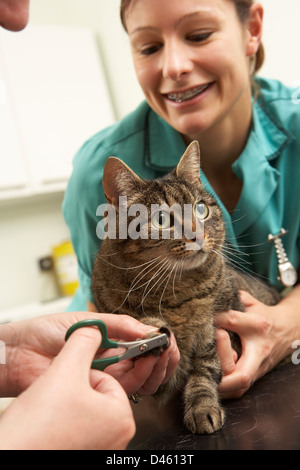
[
  {"x": 281, "y": 40},
  {"x": 29, "y": 229},
  {"x": 102, "y": 16}
]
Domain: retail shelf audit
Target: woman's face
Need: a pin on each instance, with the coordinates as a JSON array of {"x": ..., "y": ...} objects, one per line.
[{"x": 192, "y": 60}]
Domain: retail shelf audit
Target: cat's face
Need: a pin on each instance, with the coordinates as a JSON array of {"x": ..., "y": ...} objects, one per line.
[{"x": 172, "y": 218}]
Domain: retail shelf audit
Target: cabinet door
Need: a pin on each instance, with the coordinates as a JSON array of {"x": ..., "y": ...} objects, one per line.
[
  {"x": 60, "y": 96},
  {"x": 12, "y": 166}
]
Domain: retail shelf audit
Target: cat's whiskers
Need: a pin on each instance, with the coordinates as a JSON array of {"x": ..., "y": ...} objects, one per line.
[
  {"x": 237, "y": 265},
  {"x": 181, "y": 269},
  {"x": 137, "y": 279},
  {"x": 241, "y": 253},
  {"x": 165, "y": 271},
  {"x": 167, "y": 282},
  {"x": 177, "y": 264},
  {"x": 164, "y": 268},
  {"x": 160, "y": 281},
  {"x": 235, "y": 259},
  {"x": 229, "y": 260},
  {"x": 109, "y": 254},
  {"x": 234, "y": 255},
  {"x": 126, "y": 268},
  {"x": 135, "y": 283}
]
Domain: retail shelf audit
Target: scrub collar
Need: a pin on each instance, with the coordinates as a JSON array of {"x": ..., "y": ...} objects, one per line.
[{"x": 255, "y": 167}]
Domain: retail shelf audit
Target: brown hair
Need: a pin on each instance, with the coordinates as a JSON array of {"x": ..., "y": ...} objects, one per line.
[{"x": 243, "y": 11}]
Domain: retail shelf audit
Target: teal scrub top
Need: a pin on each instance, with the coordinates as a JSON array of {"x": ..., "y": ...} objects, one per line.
[{"x": 269, "y": 168}]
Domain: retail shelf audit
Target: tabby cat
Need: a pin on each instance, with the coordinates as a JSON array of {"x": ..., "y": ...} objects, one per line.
[{"x": 165, "y": 283}]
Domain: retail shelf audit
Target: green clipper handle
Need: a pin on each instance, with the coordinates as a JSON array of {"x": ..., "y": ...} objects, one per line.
[{"x": 106, "y": 343}]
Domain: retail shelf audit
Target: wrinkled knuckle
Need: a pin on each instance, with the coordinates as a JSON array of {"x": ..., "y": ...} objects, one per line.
[
  {"x": 266, "y": 350},
  {"x": 232, "y": 317},
  {"x": 264, "y": 326}
]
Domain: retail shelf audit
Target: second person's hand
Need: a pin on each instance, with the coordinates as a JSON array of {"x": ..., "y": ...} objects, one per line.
[{"x": 33, "y": 344}]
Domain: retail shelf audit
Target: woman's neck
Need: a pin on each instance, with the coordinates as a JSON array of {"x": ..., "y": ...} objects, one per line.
[{"x": 222, "y": 143}]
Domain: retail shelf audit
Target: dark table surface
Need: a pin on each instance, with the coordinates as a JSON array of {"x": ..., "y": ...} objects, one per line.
[{"x": 267, "y": 417}]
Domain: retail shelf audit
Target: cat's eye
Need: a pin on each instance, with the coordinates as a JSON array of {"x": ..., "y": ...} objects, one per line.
[
  {"x": 201, "y": 210},
  {"x": 161, "y": 220}
]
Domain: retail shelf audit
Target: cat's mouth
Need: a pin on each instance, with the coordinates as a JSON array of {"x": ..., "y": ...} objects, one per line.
[
  {"x": 194, "y": 259},
  {"x": 190, "y": 255}
]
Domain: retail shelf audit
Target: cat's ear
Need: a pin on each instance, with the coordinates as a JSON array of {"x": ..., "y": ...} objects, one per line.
[
  {"x": 118, "y": 180},
  {"x": 189, "y": 164}
]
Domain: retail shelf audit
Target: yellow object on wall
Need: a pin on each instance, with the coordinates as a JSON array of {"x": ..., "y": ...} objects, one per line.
[{"x": 65, "y": 264}]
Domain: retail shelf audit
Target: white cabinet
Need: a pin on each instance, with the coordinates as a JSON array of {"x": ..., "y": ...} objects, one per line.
[
  {"x": 53, "y": 96},
  {"x": 12, "y": 165}
]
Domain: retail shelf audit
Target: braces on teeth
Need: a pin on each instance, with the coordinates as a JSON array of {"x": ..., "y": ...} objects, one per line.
[{"x": 179, "y": 97}]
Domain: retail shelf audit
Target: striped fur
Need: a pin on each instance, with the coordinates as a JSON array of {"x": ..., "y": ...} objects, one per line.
[{"x": 160, "y": 283}]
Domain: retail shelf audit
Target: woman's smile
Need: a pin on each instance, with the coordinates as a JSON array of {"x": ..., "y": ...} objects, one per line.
[{"x": 189, "y": 95}]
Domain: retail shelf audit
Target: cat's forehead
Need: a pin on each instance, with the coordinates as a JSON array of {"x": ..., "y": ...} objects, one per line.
[{"x": 170, "y": 190}]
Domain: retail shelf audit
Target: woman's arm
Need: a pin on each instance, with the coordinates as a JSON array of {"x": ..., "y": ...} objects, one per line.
[{"x": 266, "y": 334}]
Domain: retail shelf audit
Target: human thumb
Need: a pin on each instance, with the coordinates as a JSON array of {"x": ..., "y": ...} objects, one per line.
[{"x": 79, "y": 351}]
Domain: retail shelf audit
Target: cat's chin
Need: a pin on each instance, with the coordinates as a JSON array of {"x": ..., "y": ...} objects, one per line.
[{"x": 195, "y": 260}]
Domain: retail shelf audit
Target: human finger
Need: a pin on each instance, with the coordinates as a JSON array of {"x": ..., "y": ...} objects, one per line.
[
  {"x": 157, "y": 376},
  {"x": 108, "y": 385},
  {"x": 136, "y": 377},
  {"x": 173, "y": 358},
  {"x": 225, "y": 351},
  {"x": 144, "y": 375},
  {"x": 79, "y": 351},
  {"x": 238, "y": 322},
  {"x": 126, "y": 327},
  {"x": 247, "y": 299},
  {"x": 234, "y": 385},
  {"x": 163, "y": 369}
]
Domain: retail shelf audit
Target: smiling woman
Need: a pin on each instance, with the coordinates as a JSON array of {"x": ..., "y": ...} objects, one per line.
[
  {"x": 14, "y": 14},
  {"x": 192, "y": 69}
]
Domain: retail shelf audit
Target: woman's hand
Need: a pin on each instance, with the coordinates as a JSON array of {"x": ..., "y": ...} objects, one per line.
[
  {"x": 33, "y": 344},
  {"x": 65, "y": 409},
  {"x": 266, "y": 338}
]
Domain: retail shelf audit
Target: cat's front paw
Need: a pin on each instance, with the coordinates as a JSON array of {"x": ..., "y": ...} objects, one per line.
[
  {"x": 159, "y": 350},
  {"x": 204, "y": 420}
]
